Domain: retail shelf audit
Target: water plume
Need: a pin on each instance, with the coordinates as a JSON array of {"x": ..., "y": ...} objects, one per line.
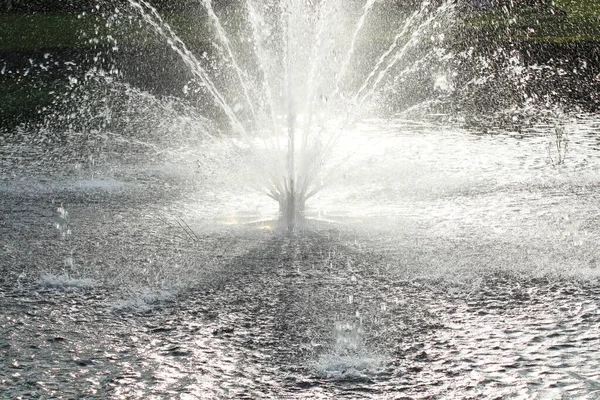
[{"x": 293, "y": 92}]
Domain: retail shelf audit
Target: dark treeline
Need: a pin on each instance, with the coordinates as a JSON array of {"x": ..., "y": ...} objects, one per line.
[{"x": 77, "y": 6}]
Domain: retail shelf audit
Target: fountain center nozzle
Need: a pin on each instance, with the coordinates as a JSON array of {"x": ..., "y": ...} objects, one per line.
[{"x": 292, "y": 203}]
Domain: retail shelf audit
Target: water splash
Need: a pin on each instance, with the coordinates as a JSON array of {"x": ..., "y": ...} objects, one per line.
[
  {"x": 293, "y": 96},
  {"x": 349, "y": 359}
]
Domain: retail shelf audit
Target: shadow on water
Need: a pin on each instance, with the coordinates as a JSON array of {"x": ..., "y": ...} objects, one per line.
[
  {"x": 340, "y": 310},
  {"x": 303, "y": 315}
]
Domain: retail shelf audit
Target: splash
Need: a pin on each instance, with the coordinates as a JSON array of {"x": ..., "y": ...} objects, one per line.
[
  {"x": 291, "y": 79},
  {"x": 349, "y": 359}
]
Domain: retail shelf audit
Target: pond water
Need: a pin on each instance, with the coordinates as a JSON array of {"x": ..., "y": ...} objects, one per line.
[
  {"x": 442, "y": 256},
  {"x": 439, "y": 263}
]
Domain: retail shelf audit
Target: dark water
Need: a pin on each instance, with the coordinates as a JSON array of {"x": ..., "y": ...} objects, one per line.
[{"x": 246, "y": 313}]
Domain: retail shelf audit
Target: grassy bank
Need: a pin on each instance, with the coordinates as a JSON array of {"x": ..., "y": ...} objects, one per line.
[
  {"x": 567, "y": 22},
  {"x": 38, "y": 52},
  {"x": 26, "y": 32},
  {"x": 37, "y": 32}
]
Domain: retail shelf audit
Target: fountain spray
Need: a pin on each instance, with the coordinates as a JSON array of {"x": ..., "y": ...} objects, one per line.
[{"x": 289, "y": 212}]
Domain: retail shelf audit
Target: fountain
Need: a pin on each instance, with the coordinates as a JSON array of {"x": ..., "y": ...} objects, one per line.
[
  {"x": 446, "y": 201},
  {"x": 289, "y": 83}
]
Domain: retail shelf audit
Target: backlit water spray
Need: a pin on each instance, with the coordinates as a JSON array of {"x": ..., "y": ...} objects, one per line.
[{"x": 288, "y": 95}]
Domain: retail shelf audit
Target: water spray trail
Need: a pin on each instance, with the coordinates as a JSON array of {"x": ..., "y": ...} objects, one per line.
[
  {"x": 284, "y": 21},
  {"x": 402, "y": 52},
  {"x": 311, "y": 165},
  {"x": 308, "y": 175},
  {"x": 154, "y": 19},
  {"x": 403, "y": 32},
  {"x": 415, "y": 108},
  {"x": 314, "y": 64},
  {"x": 368, "y": 6},
  {"x": 412, "y": 68},
  {"x": 289, "y": 97},
  {"x": 318, "y": 158},
  {"x": 223, "y": 37},
  {"x": 258, "y": 50},
  {"x": 281, "y": 187},
  {"x": 151, "y": 16},
  {"x": 263, "y": 63},
  {"x": 318, "y": 162}
]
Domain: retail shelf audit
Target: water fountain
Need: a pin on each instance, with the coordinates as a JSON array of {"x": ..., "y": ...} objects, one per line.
[
  {"x": 462, "y": 262},
  {"x": 297, "y": 91}
]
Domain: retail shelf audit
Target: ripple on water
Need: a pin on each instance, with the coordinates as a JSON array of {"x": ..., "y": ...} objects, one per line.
[
  {"x": 449, "y": 286},
  {"x": 344, "y": 367}
]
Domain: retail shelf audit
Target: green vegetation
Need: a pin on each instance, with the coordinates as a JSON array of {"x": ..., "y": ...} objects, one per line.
[
  {"x": 566, "y": 21},
  {"x": 25, "y": 99},
  {"x": 40, "y": 32},
  {"x": 22, "y": 32}
]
